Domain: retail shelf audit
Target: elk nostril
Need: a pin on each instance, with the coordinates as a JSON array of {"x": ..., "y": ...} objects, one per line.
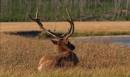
[{"x": 72, "y": 47}]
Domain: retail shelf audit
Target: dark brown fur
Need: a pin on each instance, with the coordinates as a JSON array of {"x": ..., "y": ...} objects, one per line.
[{"x": 65, "y": 58}]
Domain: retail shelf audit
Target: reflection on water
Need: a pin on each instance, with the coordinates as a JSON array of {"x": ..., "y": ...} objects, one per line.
[{"x": 114, "y": 39}]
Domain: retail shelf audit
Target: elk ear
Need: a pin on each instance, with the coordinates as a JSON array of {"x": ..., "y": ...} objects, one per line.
[{"x": 55, "y": 41}]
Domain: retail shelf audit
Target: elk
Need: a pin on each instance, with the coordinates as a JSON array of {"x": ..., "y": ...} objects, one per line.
[{"x": 65, "y": 56}]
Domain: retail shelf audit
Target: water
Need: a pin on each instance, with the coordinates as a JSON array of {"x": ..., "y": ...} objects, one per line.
[
  {"x": 122, "y": 40},
  {"x": 114, "y": 39}
]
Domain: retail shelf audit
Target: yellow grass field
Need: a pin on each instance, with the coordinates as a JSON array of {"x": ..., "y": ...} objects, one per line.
[
  {"x": 81, "y": 27},
  {"x": 19, "y": 57}
]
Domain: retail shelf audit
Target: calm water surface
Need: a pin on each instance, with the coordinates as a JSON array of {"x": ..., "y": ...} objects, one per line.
[{"x": 114, "y": 39}]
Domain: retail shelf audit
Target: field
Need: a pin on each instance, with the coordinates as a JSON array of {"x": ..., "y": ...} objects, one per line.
[
  {"x": 19, "y": 55},
  {"x": 81, "y": 28}
]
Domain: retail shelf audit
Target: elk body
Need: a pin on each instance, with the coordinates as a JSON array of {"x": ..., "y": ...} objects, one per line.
[{"x": 65, "y": 56}]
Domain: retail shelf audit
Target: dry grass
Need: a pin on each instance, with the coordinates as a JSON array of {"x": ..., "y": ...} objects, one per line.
[
  {"x": 81, "y": 27},
  {"x": 19, "y": 57}
]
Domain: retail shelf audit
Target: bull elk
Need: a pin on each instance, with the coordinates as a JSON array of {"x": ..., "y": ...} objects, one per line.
[{"x": 65, "y": 57}]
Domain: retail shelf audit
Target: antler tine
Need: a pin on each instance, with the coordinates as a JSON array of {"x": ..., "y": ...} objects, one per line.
[
  {"x": 38, "y": 21},
  {"x": 36, "y": 16},
  {"x": 68, "y": 14}
]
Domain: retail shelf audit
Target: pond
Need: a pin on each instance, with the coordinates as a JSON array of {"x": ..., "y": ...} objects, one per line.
[
  {"x": 114, "y": 39},
  {"x": 122, "y": 39}
]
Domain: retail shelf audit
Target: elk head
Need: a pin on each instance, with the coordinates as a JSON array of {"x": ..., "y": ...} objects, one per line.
[{"x": 62, "y": 41}]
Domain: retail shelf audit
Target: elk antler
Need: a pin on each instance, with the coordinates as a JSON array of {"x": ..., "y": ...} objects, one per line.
[
  {"x": 38, "y": 21},
  {"x": 65, "y": 35},
  {"x": 71, "y": 30}
]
